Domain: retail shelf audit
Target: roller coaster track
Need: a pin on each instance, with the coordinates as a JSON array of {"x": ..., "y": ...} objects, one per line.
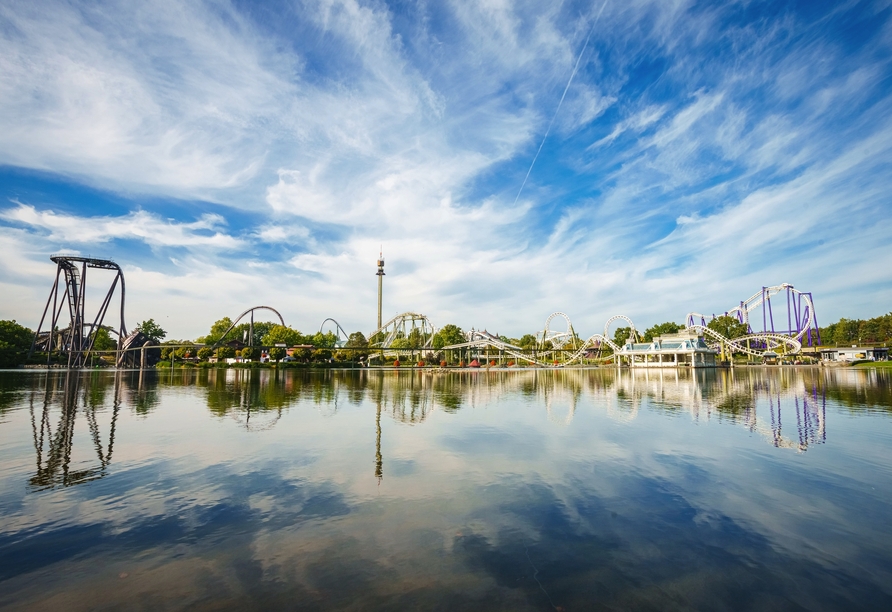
[
  {"x": 241, "y": 316},
  {"x": 741, "y": 344},
  {"x": 801, "y": 320},
  {"x": 339, "y": 332},
  {"x": 508, "y": 349},
  {"x": 480, "y": 340},
  {"x": 401, "y": 326}
]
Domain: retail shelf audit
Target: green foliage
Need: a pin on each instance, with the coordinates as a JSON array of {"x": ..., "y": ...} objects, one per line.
[
  {"x": 103, "y": 340},
  {"x": 205, "y": 353},
  {"x": 416, "y": 338},
  {"x": 277, "y": 353},
  {"x": 225, "y": 352},
  {"x": 152, "y": 330},
  {"x": 527, "y": 341},
  {"x": 357, "y": 340},
  {"x": 15, "y": 342},
  {"x": 400, "y": 343},
  {"x": 621, "y": 335},
  {"x": 321, "y": 354},
  {"x": 858, "y": 331},
  {"x": 320, "y": 340},
  {"x": 659, "y": 329},
  {"x": 727, "y": 326},
  {"x": 186, "y": 351},
  {"x": 240, "y": 332},
  {"x": 448, "y": 335},
  {"x": 280, "y": 334}
]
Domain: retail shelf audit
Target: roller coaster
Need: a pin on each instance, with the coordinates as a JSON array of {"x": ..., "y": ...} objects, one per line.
[
  {"x": 558, "y": 348},
  {"x": 404, "y": 332},
  {"x": 413, "y": 332},
  {"x": 76, "y": 341}
]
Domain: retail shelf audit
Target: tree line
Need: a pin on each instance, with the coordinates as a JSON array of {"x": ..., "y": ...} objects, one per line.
[
  {"x": 15, "y": 339},
  {"x": 858, "y": 331}
]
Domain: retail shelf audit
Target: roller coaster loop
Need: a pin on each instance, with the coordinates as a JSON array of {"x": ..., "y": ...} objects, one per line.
[{"x": 241, "y": 316}]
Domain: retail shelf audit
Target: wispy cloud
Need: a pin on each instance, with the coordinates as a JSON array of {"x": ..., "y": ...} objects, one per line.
[
  {"x": 700, "y": 151},
  {"x": 139, "y": 225}
]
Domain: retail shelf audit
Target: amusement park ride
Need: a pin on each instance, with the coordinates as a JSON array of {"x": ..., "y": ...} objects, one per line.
[{"x": 412, "y": 332}]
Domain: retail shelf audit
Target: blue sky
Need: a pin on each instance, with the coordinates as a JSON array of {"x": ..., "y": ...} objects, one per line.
[{"x": 229, "y": 154}]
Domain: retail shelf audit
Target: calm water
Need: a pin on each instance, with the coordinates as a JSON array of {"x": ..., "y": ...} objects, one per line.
[{"x": 532, "y": 490}]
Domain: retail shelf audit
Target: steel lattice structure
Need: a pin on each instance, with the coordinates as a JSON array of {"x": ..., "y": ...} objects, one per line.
[{"x": 77, "y": 340}]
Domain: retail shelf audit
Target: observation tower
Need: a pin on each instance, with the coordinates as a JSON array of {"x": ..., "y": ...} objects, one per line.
[{"x": 380, "y": 284}]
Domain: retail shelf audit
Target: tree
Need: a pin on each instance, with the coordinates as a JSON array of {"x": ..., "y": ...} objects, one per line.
[
  {"x": 103, "y": 340},
  {"x": 216, "y": 332},
  {"x": 358, "y": 343},
  {"x": 357, "y": 340},
  {"x": 151, "y": 330},
  {"x": 205, "y": 353},
  {"x": 277, "y": 353},
  {"x": 15, "y": 342},
  {"x": 280, "y": 334},
  {"x": 326, "y": 340},
  {"x": 728, "y": 326},
  {"x": 659, "y": 329},
  {"x": 621, "y": 335},
  {"x": 400, "y": 343},
  {"x": 322, "y": 354},
  {"x": 225, "y": 352},
  {"x": 448, "y": 335},
  {"x": 527, "y": 341},
  {"x": 416, "y": 338}
]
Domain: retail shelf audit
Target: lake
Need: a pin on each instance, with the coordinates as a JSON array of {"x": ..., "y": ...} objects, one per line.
[{"x": 750, "y": 489}]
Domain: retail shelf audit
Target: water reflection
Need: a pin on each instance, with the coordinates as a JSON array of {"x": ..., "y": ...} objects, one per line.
[
  {"x": 54, "y": 445},
  {"x": 787, "y": 407},
  {"x": 527, "y": 490}
]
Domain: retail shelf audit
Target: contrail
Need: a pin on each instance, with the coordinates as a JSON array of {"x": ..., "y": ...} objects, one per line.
[{"x": 564, "y": 95}]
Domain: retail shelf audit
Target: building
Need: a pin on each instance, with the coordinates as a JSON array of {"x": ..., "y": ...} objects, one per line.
[
  {"x": 682, "y": 350},
  {"x": 856, "y": 353}
]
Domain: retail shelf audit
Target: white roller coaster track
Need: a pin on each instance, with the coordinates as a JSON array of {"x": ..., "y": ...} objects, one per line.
[
  {"x": 770, "y": 341},
  {"x": 633, "y": 335},
  {"x": 740, "y": 345},
  {"x": 398, "y": 324},
  {"x": 557, "y": 339}
]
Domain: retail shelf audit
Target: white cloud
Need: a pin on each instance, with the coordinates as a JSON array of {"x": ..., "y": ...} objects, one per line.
[
  {"x": 713, "y": 177},
  {"x": 139, "y": 225}
]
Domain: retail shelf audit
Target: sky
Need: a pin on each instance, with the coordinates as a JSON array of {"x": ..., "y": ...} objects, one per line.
[{"x": 512, "y": 159}]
